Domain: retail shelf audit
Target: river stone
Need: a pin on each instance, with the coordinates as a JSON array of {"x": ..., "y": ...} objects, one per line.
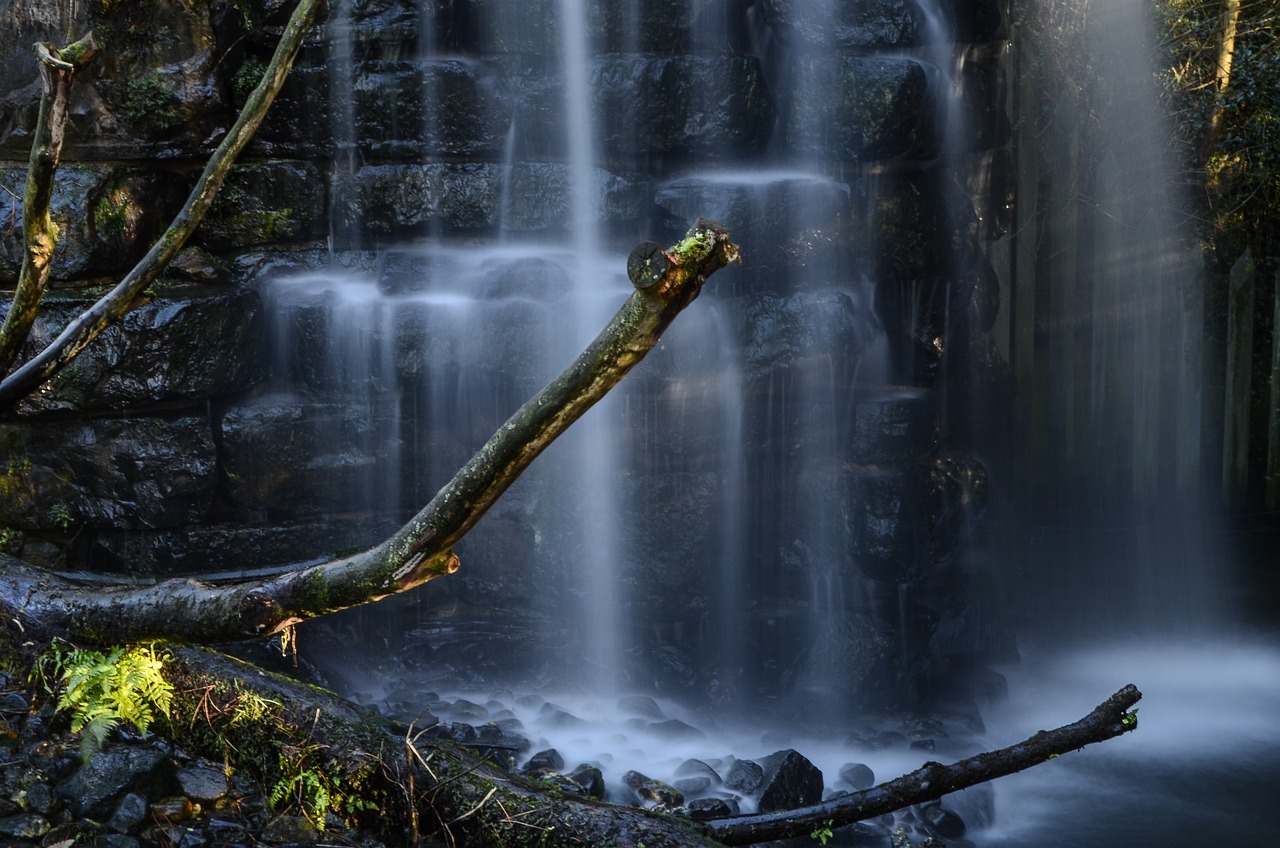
[
  {"x": 591, "y": 779},
  {"x": 203, "y": 784},
  {"x": 790, "y": 781},
  {"x": 129, "y": 814},
  {"x": 744, "y": 776},
  {"x": 857, "y": 775},
  {"x": 710, "y": 808},
  {"x": 548, "y": 760},
  {"x": 285, "y": 830},
  {"x": 94, "y": 789},
  {"x": 24, "y": 826}
]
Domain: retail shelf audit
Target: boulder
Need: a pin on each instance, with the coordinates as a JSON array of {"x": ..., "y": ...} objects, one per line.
[
  {"x": 98, "y": 786},
  {"x": 790, "y": 781}
]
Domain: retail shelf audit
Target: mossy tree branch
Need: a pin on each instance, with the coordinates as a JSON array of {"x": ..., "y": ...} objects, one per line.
[
  {"x": 40, "y": 233},
  {"x": 125, "y": 295},
  {"x": 37, "y": 605}
]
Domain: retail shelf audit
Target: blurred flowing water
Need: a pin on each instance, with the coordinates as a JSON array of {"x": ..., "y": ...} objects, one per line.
[{"x": 700, "y": 536}]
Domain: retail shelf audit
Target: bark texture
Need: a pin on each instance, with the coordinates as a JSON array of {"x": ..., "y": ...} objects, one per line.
[
  {"x": 40, "y": 233},
  {"x": 125, "y": 296}
]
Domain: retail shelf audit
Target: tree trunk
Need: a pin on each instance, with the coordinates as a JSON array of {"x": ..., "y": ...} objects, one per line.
[
  {"x": 40, "y": 234},
  {"x": 1221, "y": 76},
  {"x": 125, "y": 296},
  {"x": 38, "y": 606}
]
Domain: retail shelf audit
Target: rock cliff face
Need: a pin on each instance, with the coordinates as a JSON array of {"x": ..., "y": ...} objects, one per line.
[{"x": 184, "y": 440}]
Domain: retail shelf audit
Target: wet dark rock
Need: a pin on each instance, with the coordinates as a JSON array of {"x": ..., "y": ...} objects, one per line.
[
  {"x": 892, "y": 542},
  {"x": 547, "y": 760},
  {"x": 95, "y": 789},
  {"x": 591, "y": 779},
  {"x": 841, "y": 665},
  {"x": 283, "y": 453},
  {"x": 861, "y": 109},
  {"x": 790, "y": 781},
  {"x": 203, "y": 784},
  {"x": 640, "y": 705},
  {"x": 713, "y": 106},
  {"x": 710, "y": 808},
  {"x": 863, "y": 835},
  {"x": 284, "y": 830},
  {"x": 673, "y": 730},
  {"x": 782, "y": 337},
  {"x": 893, "y": 426},
  {"x": 266, "y": 203},
  {"x": 797, "y": 223},
  {"x": 175, "y": 808},
  {"x": 943, "y": 822},
  {"x": 129, "y": 814},
  {"x": 408, "y": 200},
  {"x": 188, "y": 342},
  {"x": 42, "y": 799},
  {"x": 659, "y": 794},
  {"x": 430, "y": 107},
  {"x": 154, "y": 472},
  {"x": 461, "y": 732},
  {"x": 744, "y": 776},
  {"x": 199, "y": 266},
  {"x": 698, "y": 769},
  {"x": 469, "y": 710},
  {"x": 857, "y": 775},
  {"x": 24, "y": 826},
  {"x": 692, "y": 786},
  {"x": 225, "y": 549},
  {"x": 846, "y": 24},
  {"x": 107, "y": 217}
]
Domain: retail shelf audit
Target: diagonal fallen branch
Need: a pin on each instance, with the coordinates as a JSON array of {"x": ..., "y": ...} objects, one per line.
[
  {"x": 931, "y": 781},
  {"x": 41, "y": 605}
]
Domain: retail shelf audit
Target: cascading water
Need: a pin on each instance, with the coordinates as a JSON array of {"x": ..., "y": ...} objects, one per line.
[{"x": 768, "y": 520}]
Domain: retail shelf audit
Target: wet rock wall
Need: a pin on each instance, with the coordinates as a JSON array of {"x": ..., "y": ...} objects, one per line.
[{"x": 174, "y": 447}]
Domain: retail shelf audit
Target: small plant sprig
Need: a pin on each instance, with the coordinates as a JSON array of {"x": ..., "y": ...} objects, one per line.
[{"x": 101, "y": 690}]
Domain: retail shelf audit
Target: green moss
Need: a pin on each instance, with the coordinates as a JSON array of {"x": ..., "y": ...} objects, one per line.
[
  {"x": 150, "y": 100},
  {"x": 112, "y": 213}
]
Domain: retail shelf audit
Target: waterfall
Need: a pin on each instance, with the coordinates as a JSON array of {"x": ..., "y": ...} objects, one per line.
[{"x": 774, "y": 516}]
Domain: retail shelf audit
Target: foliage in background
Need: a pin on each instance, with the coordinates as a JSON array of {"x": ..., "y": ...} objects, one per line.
[
  {"x": 102, "y": 690},
  {"x": 1238, "y": 172}
]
